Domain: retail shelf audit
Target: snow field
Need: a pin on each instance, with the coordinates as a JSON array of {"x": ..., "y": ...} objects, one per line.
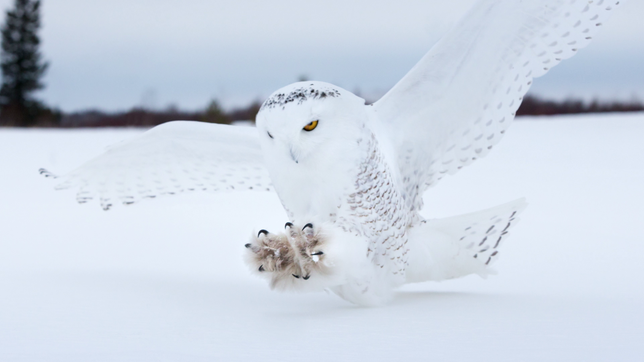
[{"x": 163, "y": 280}]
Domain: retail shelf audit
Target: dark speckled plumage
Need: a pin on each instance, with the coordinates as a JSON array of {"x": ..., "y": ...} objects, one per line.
[{"x": 299, "y": 96}]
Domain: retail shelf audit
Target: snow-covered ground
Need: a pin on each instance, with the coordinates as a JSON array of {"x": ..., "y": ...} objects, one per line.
[{"x": 163, "y": 280}]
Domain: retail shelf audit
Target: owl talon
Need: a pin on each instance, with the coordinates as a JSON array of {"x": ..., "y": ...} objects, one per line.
[{"x": 293, "y": 254}]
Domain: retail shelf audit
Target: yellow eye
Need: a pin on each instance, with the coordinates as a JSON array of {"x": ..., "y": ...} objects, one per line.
[{"x": 311, "y": 126}]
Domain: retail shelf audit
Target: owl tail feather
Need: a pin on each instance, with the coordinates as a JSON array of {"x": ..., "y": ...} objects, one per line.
[{"x": 461, "y": 245}]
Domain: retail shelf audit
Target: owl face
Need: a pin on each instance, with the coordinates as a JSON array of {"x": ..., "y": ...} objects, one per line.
[{"x": 309, "y": 122}]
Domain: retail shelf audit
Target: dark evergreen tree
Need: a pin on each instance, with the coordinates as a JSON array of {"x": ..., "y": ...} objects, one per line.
[
  {"x": 215, "y": 114},
  {"x": 22, "y": 65}
]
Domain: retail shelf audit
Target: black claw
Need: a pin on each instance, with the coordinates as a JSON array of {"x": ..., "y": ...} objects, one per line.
[
  {"x": 309, "y": 225},
  {"x": 317, "y": 253},
  {"x": 261, "y": 268},
  {"x": 247, "y": 246},
  {"x": 288, "y": 225},
  {"x": 262, "y": 232},
  {"x": 296, "y": 276},
  {"x": 307, "y": 277}
]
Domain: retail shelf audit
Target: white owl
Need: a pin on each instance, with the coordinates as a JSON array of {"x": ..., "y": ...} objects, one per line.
[{"x": 351, "y": 175}]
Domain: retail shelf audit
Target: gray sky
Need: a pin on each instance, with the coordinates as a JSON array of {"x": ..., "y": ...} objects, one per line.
[{"x": 116, "y": 54}]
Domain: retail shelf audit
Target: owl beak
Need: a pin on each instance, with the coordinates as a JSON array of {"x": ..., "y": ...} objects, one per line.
[{"x": 293, "y": 156}]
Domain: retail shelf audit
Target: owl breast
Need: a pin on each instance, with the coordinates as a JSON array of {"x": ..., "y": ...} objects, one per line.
[{"x": 375, "y": 210}]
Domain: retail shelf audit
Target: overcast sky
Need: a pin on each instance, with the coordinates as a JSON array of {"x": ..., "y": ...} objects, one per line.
[{"x": 116, "y": 54}]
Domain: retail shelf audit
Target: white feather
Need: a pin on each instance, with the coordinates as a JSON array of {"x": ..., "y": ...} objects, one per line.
[
  {"x": 171, "y": 158},
  {"x": 458, "y": 101}
]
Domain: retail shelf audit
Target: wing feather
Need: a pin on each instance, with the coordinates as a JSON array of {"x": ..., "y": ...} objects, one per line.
[
  {"x": 171, "y": 158},
  {"x": 458, "y": 101}
]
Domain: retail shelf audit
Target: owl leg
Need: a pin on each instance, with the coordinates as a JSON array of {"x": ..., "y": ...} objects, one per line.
[
  {"x": 308, "y": 245},
  {"x": 289, "y": 257}
]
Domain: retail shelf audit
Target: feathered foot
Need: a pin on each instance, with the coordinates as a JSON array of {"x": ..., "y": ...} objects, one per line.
[{"x": 294, "y": 255}]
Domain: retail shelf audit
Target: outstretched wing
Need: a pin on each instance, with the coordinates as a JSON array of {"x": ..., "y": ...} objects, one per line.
[
  {"x": 457, "y": 102},
  {"x": 171, "y": 158}
]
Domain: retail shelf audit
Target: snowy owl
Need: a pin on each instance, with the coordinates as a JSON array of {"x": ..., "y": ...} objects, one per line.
[{"x": 351, "y": 175}]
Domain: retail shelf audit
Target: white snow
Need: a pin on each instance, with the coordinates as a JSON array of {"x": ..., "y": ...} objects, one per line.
[{"x": 163, "y": 280}]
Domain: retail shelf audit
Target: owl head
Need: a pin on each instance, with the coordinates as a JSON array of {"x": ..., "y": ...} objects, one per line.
[{"x": 304, "y": 121}]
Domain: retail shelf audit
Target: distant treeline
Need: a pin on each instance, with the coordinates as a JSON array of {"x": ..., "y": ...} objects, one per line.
[
  {"x": 139, "y": 117},
  {"x": 535, "y": 106}
]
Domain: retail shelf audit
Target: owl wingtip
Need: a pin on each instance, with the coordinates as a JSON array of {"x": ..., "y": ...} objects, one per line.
[{"x": 46, "y": 173}]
